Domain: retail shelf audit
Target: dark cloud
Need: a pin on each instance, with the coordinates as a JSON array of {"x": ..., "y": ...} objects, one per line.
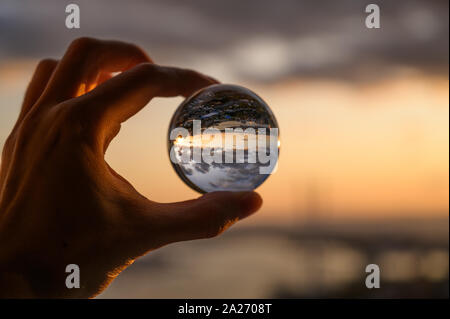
[{"x": 325, "y": 39}]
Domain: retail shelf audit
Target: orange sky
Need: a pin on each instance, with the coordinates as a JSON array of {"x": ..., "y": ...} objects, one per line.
[
  {"x": 379, "y": 149},
  {"x": 347, "y": 150}
]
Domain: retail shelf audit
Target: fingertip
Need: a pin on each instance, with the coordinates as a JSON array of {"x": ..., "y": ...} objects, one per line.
[
  {"x": 47, "y": 64},
  {"x": 209, "y": 215},
  {"x": 240, "y": 204},
  {"x": 250, "y": 202}
]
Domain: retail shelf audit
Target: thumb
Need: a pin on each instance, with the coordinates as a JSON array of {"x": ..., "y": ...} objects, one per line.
[{"x": 207, "y": 216}]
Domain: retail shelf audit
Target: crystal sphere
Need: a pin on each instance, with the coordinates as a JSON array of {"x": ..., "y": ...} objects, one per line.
[{"x": 223, "y": 138}]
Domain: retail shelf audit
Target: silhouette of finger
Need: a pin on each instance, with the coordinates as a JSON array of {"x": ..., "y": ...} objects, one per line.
[
  {"x": 41, "y": 76},
  {"x": 121, "y": 97},
  {"x": 207, "y": 216},
  {"x": 84, "y": 60}
]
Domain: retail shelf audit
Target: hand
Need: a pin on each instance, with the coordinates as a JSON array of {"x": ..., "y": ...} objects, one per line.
[{"x": 60, "y": 202}]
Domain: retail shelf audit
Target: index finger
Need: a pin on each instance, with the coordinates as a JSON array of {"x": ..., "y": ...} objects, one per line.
[
  {"x": 124, "y": 95},
  {"x": 84, "y": 60}
]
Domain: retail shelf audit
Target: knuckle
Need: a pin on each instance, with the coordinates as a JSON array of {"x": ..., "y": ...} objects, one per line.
[
  {"x": 67, "y": 121},
  {"x": 71, "y": 117},
  {"x": 57, "y": 126},
  {"x": 83, "y": 43},
  {"x": 147, "y": 68}
]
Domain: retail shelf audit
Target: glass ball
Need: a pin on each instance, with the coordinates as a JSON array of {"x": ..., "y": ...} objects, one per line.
[{"x": 223, "y": 138}]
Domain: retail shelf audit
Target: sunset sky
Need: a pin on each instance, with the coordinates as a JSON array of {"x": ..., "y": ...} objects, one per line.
[{"x": 374, "y": 144}]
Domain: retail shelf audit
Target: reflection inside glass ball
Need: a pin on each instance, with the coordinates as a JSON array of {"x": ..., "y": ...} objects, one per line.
[{"x": 223, "y": 138}]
